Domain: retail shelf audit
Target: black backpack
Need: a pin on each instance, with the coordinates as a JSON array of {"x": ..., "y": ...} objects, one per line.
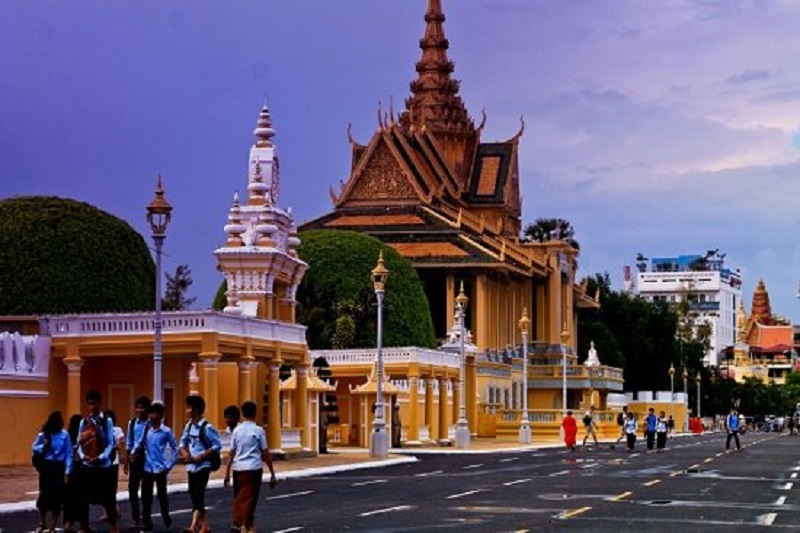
[
  {"x": 214, "y": 458},
  {"x": 587, "y": 419},
  {"x": 620, "y": 419}
]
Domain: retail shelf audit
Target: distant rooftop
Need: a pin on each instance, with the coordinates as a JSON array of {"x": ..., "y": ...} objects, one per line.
[{"x": 712, "y": 260}]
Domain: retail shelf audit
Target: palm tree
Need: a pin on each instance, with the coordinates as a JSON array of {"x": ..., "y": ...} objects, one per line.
[{"x": 548, "y": 229}]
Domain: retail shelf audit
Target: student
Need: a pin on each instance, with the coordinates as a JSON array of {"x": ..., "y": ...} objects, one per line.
[
  {"x": 661, "y": 432},
  {"x": 650, "y": 428},
  {"x": 133, "y": 469},
  {"x": 151, "y": 451},
  {"x": 248, "y": 452},
  {"x": 732, "y": 426},
  {"x": 570, "y": 426},
  {"x": 621, "y": 416},
  {"x": 119, "y": 442},
  {"x": 630, "y": 431},
  {"x": 53, "y": 447},
  {"x": 199, "y": 442},
  {"x": 231, "y": 415},
  {"x": 95, "y": 446},
  {"x": 589, "y": 426},
  {"x": 72, "y": 496}
]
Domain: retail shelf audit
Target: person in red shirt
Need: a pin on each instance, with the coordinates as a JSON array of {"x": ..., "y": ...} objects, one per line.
[{"x": 570, "y": 426}]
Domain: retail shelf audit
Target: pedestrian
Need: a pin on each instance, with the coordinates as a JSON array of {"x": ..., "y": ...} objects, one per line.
[
  {"x": 200, "y": 450},
  {"x": 589, "y": 426},
  {"x": 621, "y": 416},
  {"x": 570, "y": 426},
  {"x": 151, "y": 450},
  {"x": 52, "y": 452},
  {"x": 248, "y": 451},
  {"x": 630, "y": 431},
  {"x": 671, "y": 425},
  {"x": 119, "y": 443},
  {"x": 661, "y": 432},
  {"x": 231, "y": 415},
  {"x": 650, "y": 428},
  {"x": 732, "y": 427},
  {"x": 72, "y": 496},
  {"x": 397, "y": 427},
  {"x": 131, "y": 467},
  {"x": 95, "y": 446}
]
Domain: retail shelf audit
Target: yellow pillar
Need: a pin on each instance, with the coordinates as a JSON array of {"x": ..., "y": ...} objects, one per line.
[
  {"x": 194, "y": 381},
  {"x": 480, "y": 306},
  {"x": 412, "y": 437},
  {"x": 450, "y": 290},
  {"x": 456, "y": 399},
  {"x": 302, "y": 407},
  {"x": 73, "y": 365},
  {"x": 246, "y": 379},
  {"x": 432, "y": 429},
  {"x": 470, "y": 386},
  {"x": 554, "y": 316},
  {"x": 443, "y": 408},
  {"x": 209, "y": 383},
  {"x": 542, "y": 323},
  {"x": 269, "y": 306},
  {"x": 274, "y": 407}
]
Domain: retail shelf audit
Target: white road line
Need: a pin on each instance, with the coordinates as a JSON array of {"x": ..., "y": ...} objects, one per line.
[
  {"x": 767, "y": 519},
  {"x": 794, "y": 475},
  {"x": 290, "y": 495},
  {"x": 516, "y": 482},
  {"x": 554, "y": 474},
  {"x": 32, "y": 493},
  {"x": 477, "y": 465},
  {"x": 425, "y": 474},
  {"x": 298, "y": 528},
  {"x": 796, "y": 468},
  {"x": 387, "y": 510},
  {"x": 462, "y": 494},
  {"x": 788, "y": 486},
  {"x": 781, "y": 500},
  {"x": 373, "y": 482},
  {"x": 509, "y": 459}
]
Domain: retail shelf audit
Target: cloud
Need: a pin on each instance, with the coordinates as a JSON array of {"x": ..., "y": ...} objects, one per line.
[{"x": 749, "y": 75}]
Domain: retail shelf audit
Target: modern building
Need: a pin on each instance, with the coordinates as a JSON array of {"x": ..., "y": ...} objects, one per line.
[{"x": 712, "y": 291}]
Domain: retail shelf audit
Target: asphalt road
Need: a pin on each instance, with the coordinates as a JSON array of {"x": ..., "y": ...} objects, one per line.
[{"x": 693, "y": 486}]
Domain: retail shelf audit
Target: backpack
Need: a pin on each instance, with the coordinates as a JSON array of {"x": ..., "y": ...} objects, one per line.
[
  {"x": 38, "y": 458},
  {"x": 214, "y": 458},
  {"x": 587, "y": 419},
  {"x": 141, "y": 453},
  {"x": 92, "y": 438},
  {"x": 620, "y": 419}
]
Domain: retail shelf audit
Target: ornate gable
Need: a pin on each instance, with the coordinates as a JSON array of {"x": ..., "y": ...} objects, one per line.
[{"x": 381, "y": 178}]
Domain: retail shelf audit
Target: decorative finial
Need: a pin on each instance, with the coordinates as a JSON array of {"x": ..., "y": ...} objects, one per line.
[
  {"x": 391, "y": 110},
  {"x": 381, "y": 125},
  {"x": 264, "y": 131}
]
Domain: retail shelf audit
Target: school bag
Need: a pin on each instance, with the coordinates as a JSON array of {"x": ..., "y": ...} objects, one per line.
[
  {"x": 620, "y": 419},
  {"x": 214, "y": 458},
  {"x": 92, "y": 438},
  {"x": 587, "y": 419}
]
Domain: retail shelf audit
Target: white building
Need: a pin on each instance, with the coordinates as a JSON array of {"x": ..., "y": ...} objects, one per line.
[{"x": 713, "y": 292}]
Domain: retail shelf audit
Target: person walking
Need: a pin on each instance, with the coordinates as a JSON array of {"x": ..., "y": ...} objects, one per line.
[
  {"x": 119, "y": 443},
  {"x": 650, "y": 428},
  {"x": 152, "y": 452},
  {"x": 72, "y": 496},
  {"x": 199, "y": 443},
  {"x": 661, "y": 432},
  {"x": 621, "y": 416},
  {"x": 95, "y": 447},
  {"x": 570, "y": 427},
  {"x": 732, "y": 427},
  {"x": 52, "y": 452},
  {"x": 248, "y": 451},
  {"x": 589, "y": 426},
  {"x": 232, "y": 415},
  {"x": 131, "y": 467},
  {"x": 630, "y": 431}
]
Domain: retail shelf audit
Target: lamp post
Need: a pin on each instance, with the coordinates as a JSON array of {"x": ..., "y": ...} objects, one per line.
[
  {"x": 462, "y": 426},
  {"x": 379, "y": 444},
  {"x": 686, "y": 400},
  {"x": 672, "y": 391},
  {"x": 564, "y": 341},
  {"x": 699, "y": 379},
  {"x": 524, "y": 425},
  {"x": 159, "y": 213}
]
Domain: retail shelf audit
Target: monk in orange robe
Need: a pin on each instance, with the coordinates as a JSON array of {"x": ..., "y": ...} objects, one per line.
[{"x": 570, "y": 426}]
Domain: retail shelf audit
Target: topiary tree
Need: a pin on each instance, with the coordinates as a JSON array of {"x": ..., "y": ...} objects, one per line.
[
  {"x": 64, "y": 256},
  {"x": 338, "y": 284}
]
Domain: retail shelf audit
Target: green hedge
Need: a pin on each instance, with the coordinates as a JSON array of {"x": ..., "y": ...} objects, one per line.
[{"x": 63, "y": 256}]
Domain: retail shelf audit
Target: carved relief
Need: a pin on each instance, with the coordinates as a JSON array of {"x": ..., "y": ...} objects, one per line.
[{"x": 382, "y": 178}]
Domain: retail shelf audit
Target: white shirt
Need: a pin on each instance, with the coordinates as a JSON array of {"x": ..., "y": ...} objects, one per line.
[
  {"x": 119, "y": 438},
  {"x": 247, "y": 443},
  {"x": 630, "y": 426}
]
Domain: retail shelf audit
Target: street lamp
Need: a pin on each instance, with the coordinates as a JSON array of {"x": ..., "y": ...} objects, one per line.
[
  {"x": 564, "y": 341},
  {"x": 524, "y": 425},
  {"x": 462, "y": 426},
  {"x": 699, "y": 380},
  {"x": 159, "y": 213},
  {"x": 379, "y": 445},
  {"x": 672, "y": 391},
  {"x": 686, "y": 400}
]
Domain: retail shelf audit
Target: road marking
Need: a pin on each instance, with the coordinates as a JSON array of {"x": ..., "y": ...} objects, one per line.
[
  {"x": 794, "y": 475},
  {"x": 781, "y": 500},
  {"x": 796, "y": 468},
  {"x": 708, "y": 460},
  {"x": 516, "y": 482},
  {"x": 509, "y": 459},
  {"x": 477, "y": 465},
  {"x": 373, "y": 482},
  {"x": 651, "y": 483},
  {"x": 462, "y": 494},
  {"x": 619, "y": 497},
  {"x": 554, "y": 474},
  {"x": 575, "y": 512},
  {"x": 183, "y": 511},
  {"x": 290, "y": 495},
  {"x": 694, "y": 466},
  {"x": 788, "y": 486},
  {"x": 676, "y": 473},
  {"x": 289, "y": 530},
  {"x": 425, "y": 474},
  {"x": 767, "y": 519},
  {"x": 387, "y": 510}
]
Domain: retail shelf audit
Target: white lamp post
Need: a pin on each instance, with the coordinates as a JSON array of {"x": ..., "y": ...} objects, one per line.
[
  {"x": 686, "y": 400},
  {"x": 672, "y": 391},
  {"x": 564, "y": 341},
  {"x": 462, "y": 426},
  {"x": 524, "y": 425},
  {"x": 699, "y": 379},
  {"x": 159, "y": 213},
  {"x": 379, "y": 444}
]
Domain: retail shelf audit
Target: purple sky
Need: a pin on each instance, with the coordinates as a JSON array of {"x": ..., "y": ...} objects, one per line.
[{"x": 657, "y": 127}]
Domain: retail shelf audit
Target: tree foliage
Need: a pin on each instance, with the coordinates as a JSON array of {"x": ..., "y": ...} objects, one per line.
[
  {"x": 64, "y": 256},
  {"x": 546, "y": 229},
  {"x": 175, "y": 297}
]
